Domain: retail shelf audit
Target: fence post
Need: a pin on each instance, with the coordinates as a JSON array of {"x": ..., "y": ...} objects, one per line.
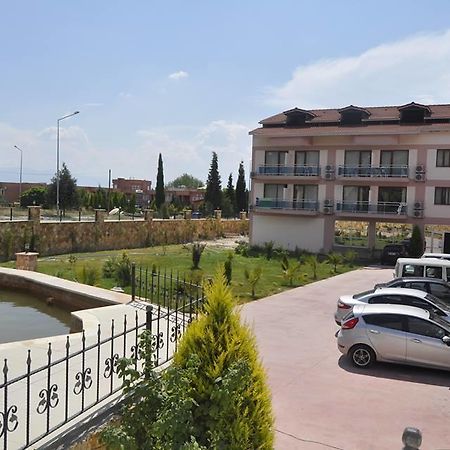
[
  {"x": 411, "y": 438},
  {"x": 133, "y": 281},
  {"x": 148, "y": 318}
]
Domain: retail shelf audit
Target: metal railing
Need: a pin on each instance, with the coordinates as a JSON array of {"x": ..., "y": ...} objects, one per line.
[
  {"x": 296, "y": 170},
  {"x": 273, "y": 203},
  {"x": 82, "y": 372},
  {"x": 364, "y": 207},
  {"x": 399, "y": 171}
]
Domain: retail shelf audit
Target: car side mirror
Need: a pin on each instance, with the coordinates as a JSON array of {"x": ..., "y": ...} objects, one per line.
[{"x": 446, "y": 340}]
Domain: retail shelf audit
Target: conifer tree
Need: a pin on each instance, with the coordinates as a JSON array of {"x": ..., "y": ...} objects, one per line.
[
  {"x": 213, "y": 194},
  {"x": 231, "y": 401},
  {"x": 241, "y": 194},
  {"x": 160, "y": 196},
  {"x": 230, "y": 191}
]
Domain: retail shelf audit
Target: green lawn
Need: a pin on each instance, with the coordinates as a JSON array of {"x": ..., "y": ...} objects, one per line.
[{"x": 177, "y": 259}]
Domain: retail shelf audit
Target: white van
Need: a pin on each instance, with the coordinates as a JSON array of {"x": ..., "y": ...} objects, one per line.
[
  {"x": 437, "y": 255},
  {"x": 422, "y": 267}
]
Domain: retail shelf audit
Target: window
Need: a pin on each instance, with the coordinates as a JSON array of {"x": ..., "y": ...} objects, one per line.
[
  {"x": 417, "y": 302},
  {"x": 386, "y": 299},
  {"x": 307, "y": 158},
  {"x": 391, "y": 321},
  {"x": 425, "y": 328},
  {"x": 416, "y": 285},
  {"x": 412, "y": 270},
  {"x": 440, "y": 291},
  {"x": 394, "y": 158},
  {"x": 442, "y": 196},
  {"x": 275, "y": 191},
  {"x": 443, "y": 158},
  {"x": 356, "y": 198},
  {"x": 433, "y": 272},
  {"x": 305, "y": 196},
  {"x": 357, "y": 163},
  {"x": 276, "y": 158}
]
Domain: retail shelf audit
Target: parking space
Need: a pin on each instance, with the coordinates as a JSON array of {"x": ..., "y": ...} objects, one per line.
[{"x": 319, "y": 399}]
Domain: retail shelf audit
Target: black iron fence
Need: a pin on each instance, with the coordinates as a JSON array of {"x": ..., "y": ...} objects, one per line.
[{"x": 79, "y": 372}]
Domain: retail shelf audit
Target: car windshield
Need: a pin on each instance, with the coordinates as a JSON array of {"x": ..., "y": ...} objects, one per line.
[
  {"x": 363, "y": 294},
  {"x": 437, "y": 302}
]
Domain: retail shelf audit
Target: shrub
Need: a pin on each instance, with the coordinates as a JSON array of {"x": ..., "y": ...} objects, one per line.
[
  {"x": 110, "y": 267},
  {"x": 334, "y": 259},
  {"x": 123, "y": 270},
  {"x": 197, "y": 249},
  {"x": 268, "y": 249},
  {"x": 416, "y": 243},
  {"x": 228, "y": 267},
  {"x": 314, "y": 263},
  {"x": 242, "y": 248},
  {"x": 230, "y": 390},
  {"x": 350, "y": 257},
  {"x": 291, "y": 271},
  {"x": 253, "y": 276},
  {"x": 89, "y": 275}
]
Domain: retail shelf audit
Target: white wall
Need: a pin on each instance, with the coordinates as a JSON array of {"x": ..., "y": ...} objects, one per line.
[
  {"x": 289, "y": 232},
  {"x": 432, "y": 210}
]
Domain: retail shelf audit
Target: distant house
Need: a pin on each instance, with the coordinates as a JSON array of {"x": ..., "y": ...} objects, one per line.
[
  {"x": 186, "y": 196},
  {"x": 140, "y": 188},
  {"x": 9, "y": 192}
]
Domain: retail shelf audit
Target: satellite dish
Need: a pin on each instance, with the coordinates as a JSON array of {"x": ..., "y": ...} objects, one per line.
[{"x": 114, "y": 211}]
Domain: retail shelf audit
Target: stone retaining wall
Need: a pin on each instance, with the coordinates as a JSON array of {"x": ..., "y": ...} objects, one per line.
[{"x": 52, "y": 238}]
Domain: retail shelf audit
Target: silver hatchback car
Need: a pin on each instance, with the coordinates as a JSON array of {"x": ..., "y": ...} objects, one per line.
[{"x": 395, "y": 333}]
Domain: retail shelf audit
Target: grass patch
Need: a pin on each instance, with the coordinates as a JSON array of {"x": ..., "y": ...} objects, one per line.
[{"x": 177, "y": 259}]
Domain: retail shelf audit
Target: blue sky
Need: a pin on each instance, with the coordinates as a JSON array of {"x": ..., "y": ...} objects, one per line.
[{"x": 188, "y": 77}]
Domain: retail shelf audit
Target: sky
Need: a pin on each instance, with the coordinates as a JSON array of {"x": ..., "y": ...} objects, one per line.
[{"x": 186, "y": 78}]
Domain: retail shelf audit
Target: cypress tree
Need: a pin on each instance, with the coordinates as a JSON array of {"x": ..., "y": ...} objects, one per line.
[
  {"x": 160, "y": 196},
  {"x": 241, "y": 194},
  {"x": 232, "y": 405},
  {"x": 416, "y": 244},
  {"x": 213, "y": 194},
  {"x": 230, "y": 191}
]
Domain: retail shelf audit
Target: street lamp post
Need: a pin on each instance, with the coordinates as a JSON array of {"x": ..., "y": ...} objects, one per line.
[
  {"x": 57, "y": 157},
  {"x": 20, "y": 173}
]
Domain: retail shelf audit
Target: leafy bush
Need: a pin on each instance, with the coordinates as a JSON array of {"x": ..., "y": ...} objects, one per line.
[
  {"x": 334, "y": 259},
  {"x": 197, "y": 249},
  {"x": 253, "y": 276},
  {"x": 314, "y": 263},
  {"x": 291, "y": 271},
  {"x": 242, "y": 248},
  {"x": 268, "y": 249},
  {"x": 89, "y": 275},
  {"x": 350, "y": 257}
]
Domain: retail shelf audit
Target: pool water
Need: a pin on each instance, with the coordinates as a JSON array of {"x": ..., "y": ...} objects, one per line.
[{"x": 23, "y": 316}]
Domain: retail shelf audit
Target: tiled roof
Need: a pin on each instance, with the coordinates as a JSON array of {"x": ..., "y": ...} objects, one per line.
[{"x": 377, "y": 113}]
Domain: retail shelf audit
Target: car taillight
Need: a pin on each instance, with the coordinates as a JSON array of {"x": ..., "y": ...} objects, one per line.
[
  {"x": 342, "y": 305},
  {"x": 349, "y": 324}
]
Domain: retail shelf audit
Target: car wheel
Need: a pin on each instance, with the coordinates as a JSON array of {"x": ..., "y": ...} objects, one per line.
[{"x": 362, "y": 356}]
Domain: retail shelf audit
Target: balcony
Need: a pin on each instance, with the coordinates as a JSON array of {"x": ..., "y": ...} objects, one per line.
[
  {"x": 297, "y": 205},
  {"x": 296, "y": 171},
  {"x": 380, "y": 208},
  {"x": 373, "y": 172}
]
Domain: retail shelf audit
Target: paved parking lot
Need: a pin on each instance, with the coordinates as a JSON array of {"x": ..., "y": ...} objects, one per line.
[{"x": 319, "y": 399}]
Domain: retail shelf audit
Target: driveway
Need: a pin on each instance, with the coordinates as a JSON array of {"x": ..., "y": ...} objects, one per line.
[{"x": 320, "y": 401}]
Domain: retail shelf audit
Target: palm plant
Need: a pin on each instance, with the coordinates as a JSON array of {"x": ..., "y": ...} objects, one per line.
[
  {"x": 334, "y": 259},
  {"x": 314, "y": 263},
  {"x": 253, "y": 276},
  {"x": 291, "y": 271}
]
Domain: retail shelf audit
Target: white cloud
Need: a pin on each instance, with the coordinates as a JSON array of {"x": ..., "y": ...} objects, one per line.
[
  {"x": 178, "y": 75},
  {"x": 125, "y": 95},
  {"x": 189, "y": 149},
  {"x": 414, "y": 69}
]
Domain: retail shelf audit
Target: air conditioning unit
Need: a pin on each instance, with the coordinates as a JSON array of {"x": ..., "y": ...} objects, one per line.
[
  {"x": 329, "y": 168},
  {"x": 329, "y": 175},
  {"x": 252, "y": 174},
  {"x": 328, "y": 203},
  {"x": 328, "y": 210},
  {"x": 418, "y": 213},
  {"x": 418, "y": 205},
  {"x": 420, "y": 176},
  {"x": 420, "y": 168}
]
